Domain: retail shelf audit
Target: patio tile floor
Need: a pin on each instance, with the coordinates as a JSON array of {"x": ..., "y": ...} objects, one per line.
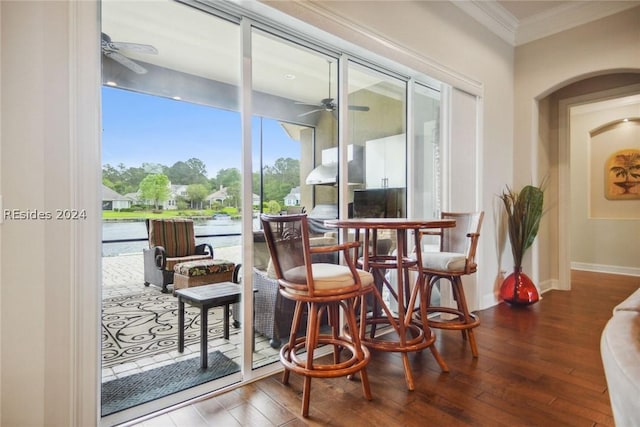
[{"x": 123, "y": 275}]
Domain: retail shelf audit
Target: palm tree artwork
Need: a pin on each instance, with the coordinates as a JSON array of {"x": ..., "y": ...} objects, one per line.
[{"x": 624, "y": 164}]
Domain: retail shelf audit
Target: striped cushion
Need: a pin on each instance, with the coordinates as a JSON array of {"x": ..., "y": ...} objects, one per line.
[{"x": 175, "y": 235}]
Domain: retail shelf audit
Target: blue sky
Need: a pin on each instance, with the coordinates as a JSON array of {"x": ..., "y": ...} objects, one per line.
[{"x": 139, "y": 128}]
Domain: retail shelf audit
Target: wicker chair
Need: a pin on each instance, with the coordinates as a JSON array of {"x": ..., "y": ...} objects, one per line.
[
  {"x": 273, "y": 312},
  {"x": 324, "y": 289},
  {"x": 455, "y": 259}
]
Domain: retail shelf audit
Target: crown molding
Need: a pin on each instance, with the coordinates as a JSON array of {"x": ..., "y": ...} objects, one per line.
[
  {"x": 557, "y": 19},
  {"x": 567, "y": 16},
  {"x": 493, "y": 16}
]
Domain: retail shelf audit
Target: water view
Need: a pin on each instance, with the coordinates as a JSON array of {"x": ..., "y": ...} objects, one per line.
[{"x": 227, "y": 231}]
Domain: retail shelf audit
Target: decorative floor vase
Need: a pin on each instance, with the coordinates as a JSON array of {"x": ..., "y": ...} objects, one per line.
[{"x": 518, "y": 289}]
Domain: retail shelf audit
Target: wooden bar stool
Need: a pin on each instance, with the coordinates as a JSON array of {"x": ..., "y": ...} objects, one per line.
[
  {"x": 324, "y": 289},
  {"x": 455, "y": 259}
]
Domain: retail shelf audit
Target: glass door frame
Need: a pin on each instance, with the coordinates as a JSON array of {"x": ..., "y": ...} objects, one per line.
[{"x": 246, "y": 111}]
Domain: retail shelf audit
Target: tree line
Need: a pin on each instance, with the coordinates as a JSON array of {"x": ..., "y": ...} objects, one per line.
[{"x": 152, "y": 180}]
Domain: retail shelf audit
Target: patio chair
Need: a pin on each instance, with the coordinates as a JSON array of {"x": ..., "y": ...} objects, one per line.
[{"x": 171, "y": 241}]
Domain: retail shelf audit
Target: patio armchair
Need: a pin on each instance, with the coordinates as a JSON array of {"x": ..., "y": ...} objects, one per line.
[{"x": 171, "y": 241}]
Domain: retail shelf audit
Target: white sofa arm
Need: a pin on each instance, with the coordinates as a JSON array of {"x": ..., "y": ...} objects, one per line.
[{"x": 620, "y": 351}]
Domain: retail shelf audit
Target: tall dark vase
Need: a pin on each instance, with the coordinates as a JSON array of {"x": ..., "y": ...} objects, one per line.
[{"x": 518, "y": 289}]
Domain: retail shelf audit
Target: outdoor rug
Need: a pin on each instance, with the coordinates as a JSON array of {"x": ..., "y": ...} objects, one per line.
[
  {"x": 136, "y": 389},
  {"x": 145, "y": 324}
]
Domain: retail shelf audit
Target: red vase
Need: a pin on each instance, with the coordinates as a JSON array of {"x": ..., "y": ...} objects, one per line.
[{"x": 518, "y": 289}]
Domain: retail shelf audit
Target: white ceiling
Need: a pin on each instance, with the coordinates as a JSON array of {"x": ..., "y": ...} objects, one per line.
[
  {"x": 526, "y": 9},
  {"x": 519, "y": 22},
  {"x": 188, "y": 43},
  {"x": 194, "y": 43}
]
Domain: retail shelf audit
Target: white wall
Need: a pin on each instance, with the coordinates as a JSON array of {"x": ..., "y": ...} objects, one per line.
[
  {"x": 608, "y": 244},
  {"x": 49, "y": 160},
  {"x": 541, "y": 67}
]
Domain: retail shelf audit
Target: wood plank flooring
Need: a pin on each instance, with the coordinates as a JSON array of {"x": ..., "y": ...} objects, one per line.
[{"x": 538, "y": 366}]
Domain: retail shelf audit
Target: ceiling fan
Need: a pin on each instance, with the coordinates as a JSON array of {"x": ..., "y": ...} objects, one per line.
[
  {"x": 112, "y": 49},
  {"x": 328, "y": 104}
]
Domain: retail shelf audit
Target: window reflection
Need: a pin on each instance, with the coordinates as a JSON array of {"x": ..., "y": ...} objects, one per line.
[
  {"x": 427, "y": 166},
  {"x": 377, "y": 127}
]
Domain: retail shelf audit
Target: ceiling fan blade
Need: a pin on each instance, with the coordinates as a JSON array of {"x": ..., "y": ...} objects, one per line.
[
  {"x": 136, "y": 68},
  {"x": 307, "y": 103},
  {"x": 310, "y": 112},
  {"x": 328, "y": 104},
  {"x": 135, "y": 47}
]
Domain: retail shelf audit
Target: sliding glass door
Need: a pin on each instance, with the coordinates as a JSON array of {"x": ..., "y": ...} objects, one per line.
[
  {"x": 295, "y": 149},
  {"x": 427, "y": 161},
  {"x": 173, "y": 147}
]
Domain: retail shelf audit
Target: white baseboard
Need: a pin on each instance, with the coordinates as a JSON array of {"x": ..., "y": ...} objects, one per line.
[
  {"x": 548, "y": 285},
  {"x": 601, "y": 268},
  {"x": 489, "y": 300}
]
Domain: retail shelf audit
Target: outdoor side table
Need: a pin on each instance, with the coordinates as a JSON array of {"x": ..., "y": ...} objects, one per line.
[{"x": 206, "y": 297}]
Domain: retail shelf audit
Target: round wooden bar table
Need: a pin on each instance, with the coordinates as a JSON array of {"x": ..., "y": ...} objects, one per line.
[{"x": 411, "y": 335}]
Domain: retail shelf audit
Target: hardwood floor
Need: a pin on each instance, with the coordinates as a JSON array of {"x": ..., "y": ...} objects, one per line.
[{"x": 538, "y": 365}]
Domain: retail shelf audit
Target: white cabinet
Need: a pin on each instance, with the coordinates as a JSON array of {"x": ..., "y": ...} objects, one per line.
[{"x": 386, "y": 162}]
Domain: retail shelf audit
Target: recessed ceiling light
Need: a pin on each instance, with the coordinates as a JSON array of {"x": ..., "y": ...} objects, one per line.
[
  {"x": 290, "y": 76},
  {"x": 111, "y": 83},
  {"x": 177, "y": 98}
]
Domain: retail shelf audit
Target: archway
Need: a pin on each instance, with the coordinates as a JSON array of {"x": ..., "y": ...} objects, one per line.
[{"x": 554, "y": 124}]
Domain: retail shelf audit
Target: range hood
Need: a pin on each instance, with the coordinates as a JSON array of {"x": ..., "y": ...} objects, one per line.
[{"x": 327, "y": 172}]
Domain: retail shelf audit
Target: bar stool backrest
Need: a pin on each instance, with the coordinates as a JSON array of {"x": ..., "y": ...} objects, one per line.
[
  {"x": 463, "y": 238},
  {"x": 287, "y": 237}
]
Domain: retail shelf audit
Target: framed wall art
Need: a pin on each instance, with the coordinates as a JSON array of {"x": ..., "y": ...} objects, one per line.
[{"x": 622, "y": 175}]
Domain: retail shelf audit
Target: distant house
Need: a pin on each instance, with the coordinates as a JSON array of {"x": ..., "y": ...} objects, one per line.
[
  {"x": 293, "y": 198},
  {"x": 177, "y": 192},
  {"x": 218, "y": 196},
  {"x": 112, "y": 201},
  {"x": 221, "y": 195},
  {"x": 134, "y": 197}
]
